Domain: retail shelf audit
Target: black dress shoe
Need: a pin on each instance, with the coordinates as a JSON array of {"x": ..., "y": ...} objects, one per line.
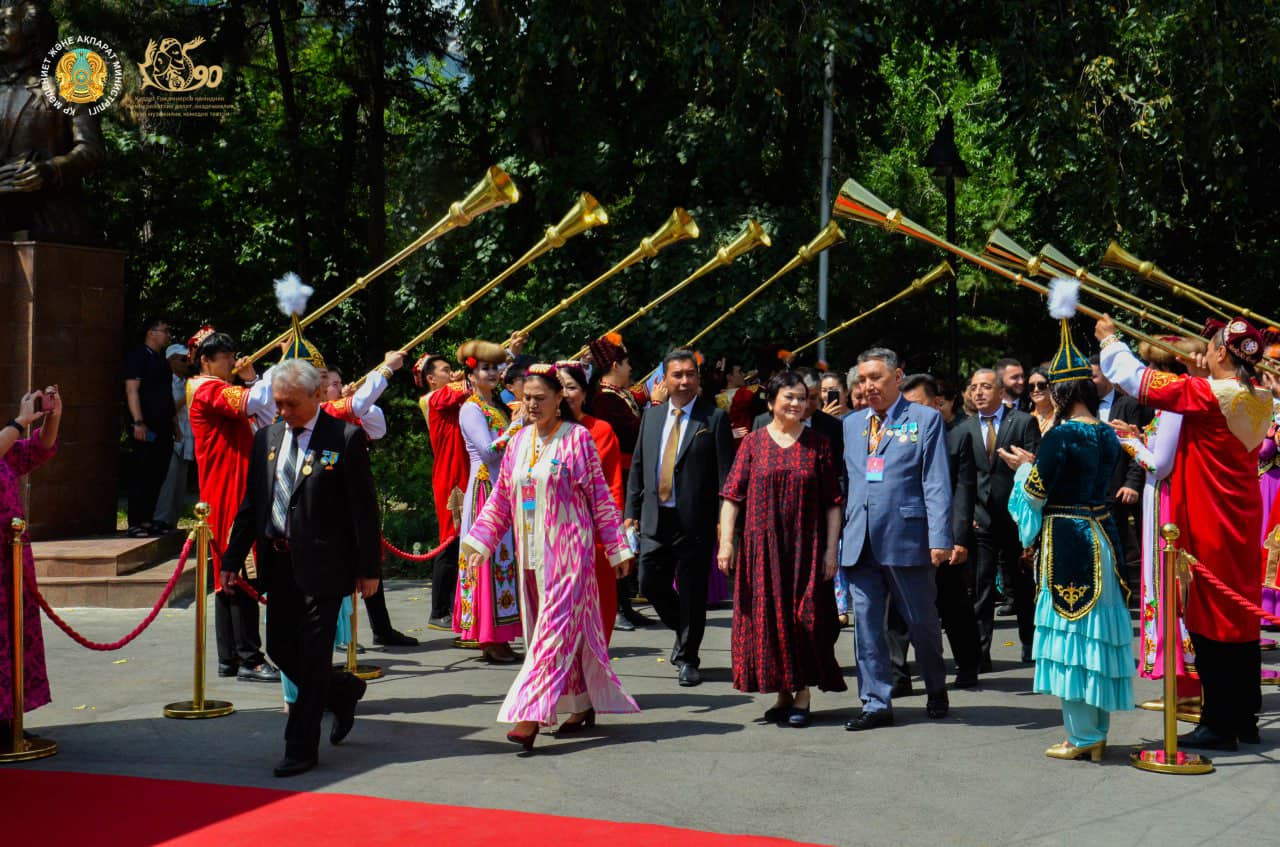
[
  {"x": 1005, "y": 610},
  {"x": 966, "y": 679},
  {"x": 799, "y": 718},
  {"x": 227, "y": 670},
  {"x": 290, "y": 766},
  {"x": 1249, "y": 736},
  {"x": 1204, "y": 738},
  {"x": 344, "y": 720},
  {"x": 675, "y": 655},
  {"x": 869, "y": 720},
  {"x": 901, "y": 688},
  {"x": 395, "y": 638},
  {"x": 635, "y": 618},
  {"x": 937, "y": 706},
  {"x": 621, "y": 624},
  {"x": 689, "y": 676},
  {"x": 441, "y": 624},
  {"x": 259, "y": 673},
  {"x": 777, "y": 714}
]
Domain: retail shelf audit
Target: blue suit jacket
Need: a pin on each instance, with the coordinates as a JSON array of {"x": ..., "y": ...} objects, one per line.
[{"x": 909, "y": 512}]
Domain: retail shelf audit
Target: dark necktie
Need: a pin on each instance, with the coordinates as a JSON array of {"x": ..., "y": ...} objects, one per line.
[{"x": 284, "y": 486}]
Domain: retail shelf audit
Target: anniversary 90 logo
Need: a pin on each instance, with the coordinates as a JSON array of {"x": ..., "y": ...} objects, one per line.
[{"x": 81, "y": 71}]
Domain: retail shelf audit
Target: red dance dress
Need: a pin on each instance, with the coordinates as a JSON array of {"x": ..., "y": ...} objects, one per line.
[
  {"x": 784, "y": 617},
  {"x": 611, "y": 463},
  {"x": 1214, "y": 485},
  {"x": 451, "y": 466},
  {"x": 222, "y": 426}
]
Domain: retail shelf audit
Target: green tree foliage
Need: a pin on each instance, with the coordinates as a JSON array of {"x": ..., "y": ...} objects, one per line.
[{"x": 357, "y": 122}]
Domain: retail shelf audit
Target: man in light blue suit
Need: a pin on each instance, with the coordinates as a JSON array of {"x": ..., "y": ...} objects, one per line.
[{"x": 897, "y": 529}]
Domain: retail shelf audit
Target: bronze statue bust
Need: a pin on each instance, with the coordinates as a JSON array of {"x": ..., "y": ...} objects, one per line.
[{"x": 44, "y": 153}]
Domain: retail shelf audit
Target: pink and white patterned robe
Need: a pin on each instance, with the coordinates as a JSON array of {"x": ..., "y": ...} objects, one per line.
[{"x": 566, "y": 666}]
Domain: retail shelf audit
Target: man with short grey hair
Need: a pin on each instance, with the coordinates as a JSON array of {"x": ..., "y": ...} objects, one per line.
[
  {"x": 897, "y": 530},
  {"x": 311, "y": 511}
]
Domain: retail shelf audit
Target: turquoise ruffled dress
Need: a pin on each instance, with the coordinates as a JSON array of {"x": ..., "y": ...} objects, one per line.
[{"x": 1085, "y": 657}]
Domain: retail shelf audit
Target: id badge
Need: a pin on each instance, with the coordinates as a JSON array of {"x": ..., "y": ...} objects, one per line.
[
  {"x": 875, "y": 469},
  {"x": 528, "y": 496}
]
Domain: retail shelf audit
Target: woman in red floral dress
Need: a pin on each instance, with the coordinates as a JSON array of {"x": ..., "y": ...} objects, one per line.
[{"x": 784, "y": 621}]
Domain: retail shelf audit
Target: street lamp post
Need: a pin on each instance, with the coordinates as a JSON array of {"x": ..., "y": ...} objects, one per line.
[{"x": 943, "y": 159}]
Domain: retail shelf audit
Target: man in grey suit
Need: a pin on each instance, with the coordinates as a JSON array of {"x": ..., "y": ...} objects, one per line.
[
  {"x": 897, "y": 530},
  {"x": 682, "y": 457}
]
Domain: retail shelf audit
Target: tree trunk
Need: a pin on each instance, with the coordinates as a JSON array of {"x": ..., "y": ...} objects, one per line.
[
  {"x": 375, "y": 145},
  {"x": 293, "y": 140}
]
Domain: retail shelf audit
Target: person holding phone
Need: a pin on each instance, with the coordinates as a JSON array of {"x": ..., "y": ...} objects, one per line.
[
  {"x": 19, "y": 456},
  {"x": 835, "y": 397}
]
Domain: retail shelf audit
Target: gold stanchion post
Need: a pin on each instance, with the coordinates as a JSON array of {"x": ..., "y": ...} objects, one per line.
[
  {"x": 352, "y": 666},
  {"x": 18, "y": 747},
  {"x": 198, "y": 706},
  {"x": 1169, "y": 759}
]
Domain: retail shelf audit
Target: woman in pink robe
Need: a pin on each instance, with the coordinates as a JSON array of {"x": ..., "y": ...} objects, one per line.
[
  {"x": 551, "y": 493},
  {"x": 18, "y": 457}
]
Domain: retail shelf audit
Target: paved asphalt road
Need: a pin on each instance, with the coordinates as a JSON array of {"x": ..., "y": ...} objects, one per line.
[{"x": 694, "y": 758}]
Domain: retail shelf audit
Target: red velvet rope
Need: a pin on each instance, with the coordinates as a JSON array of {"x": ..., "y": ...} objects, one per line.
[
  {"x": 238, "y": 584},
  {"x": 146, "y": 622},
  {"x": 1230, "y": 593},
  {"x": 425, "y": 557}
]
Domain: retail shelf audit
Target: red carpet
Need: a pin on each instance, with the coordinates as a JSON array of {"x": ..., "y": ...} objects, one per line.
[{"x": 56, "y": 808}]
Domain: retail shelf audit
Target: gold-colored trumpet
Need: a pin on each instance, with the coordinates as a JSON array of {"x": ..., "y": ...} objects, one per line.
[
  {"x": 679, "y": 227},
  {"x": 750, "y": 238},
  {"x": 857, "y": 203},
  {"x": 494, "y": 190},
  {"x": 1051, "y": 263},
  {"x": 584, "y": 215},
  {"x": 1117, "y": 257},
  {"x": 829, "y": 236},
  {"x": 941, "y": 271}
]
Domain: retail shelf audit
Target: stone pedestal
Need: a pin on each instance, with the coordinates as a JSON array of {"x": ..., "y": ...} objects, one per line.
[{"x": 63, "y": 309}]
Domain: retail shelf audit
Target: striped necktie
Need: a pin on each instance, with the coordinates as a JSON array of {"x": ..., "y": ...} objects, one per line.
[{"x": 284, "y": 487}]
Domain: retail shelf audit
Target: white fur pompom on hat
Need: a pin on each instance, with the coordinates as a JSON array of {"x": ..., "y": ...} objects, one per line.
[
  {"x": 1064, "y": 296},
  {"x": 292, "y": 294}
]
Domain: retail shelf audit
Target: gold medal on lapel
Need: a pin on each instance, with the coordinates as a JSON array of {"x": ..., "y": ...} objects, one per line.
[
  {"x": 271, "y": 457},
  {"x": 306, "y": 470}
]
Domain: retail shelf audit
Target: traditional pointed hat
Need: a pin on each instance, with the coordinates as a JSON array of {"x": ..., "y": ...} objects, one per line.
[
  {"x": 291, "y": 297},
  {"x": 1068, "y": 363}
]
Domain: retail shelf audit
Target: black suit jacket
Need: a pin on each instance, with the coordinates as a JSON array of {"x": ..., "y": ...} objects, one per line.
[
  {"x": 828, "y": 425},
  {"x": 964, "y": 484},
  {"x": 1127, "y": 473},
  {"x": 994, "y": 477},
  {"x": 334, "y": 526},
  {"x": 702, "y": 465}
]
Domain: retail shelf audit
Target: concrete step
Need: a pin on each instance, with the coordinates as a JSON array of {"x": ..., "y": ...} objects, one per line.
[
  {"x": 103, "y": 556},
  {"x": 139, "y": 589}
]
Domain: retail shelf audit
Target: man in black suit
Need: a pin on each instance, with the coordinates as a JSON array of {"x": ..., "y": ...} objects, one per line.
[
  {"x": 996, "y": 543},
  {"x": 955, "y": 607},
  {"x": 312, "y": 512},
  {"x": 819, "y": 420},
  {"x": 1125, "y": 490},
  {"x": 682, "y": 457}
]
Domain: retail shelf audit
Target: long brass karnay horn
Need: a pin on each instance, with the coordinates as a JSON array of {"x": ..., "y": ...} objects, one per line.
[
  {"x": 494, "y": 190},
  {"x": 1051, "y": 263},
  {"x": 828, "y": 237},
  {"x": 751, "y": 237},
  {"x": 856, "y": 203},
  {"x": 1117, "y": 257},
  {"x": 679, "y": 227},
  {"x": 584, "y": 215},
  {"x": 942, "y": 271}
]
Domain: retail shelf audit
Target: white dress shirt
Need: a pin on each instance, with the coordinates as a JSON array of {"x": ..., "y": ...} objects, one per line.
[
  {"x": 286, "y": 446},
  {"x": 995, "y": 421},
  {"x": 1104, "y": 406},
  {"x": 672, "y": 427}
]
